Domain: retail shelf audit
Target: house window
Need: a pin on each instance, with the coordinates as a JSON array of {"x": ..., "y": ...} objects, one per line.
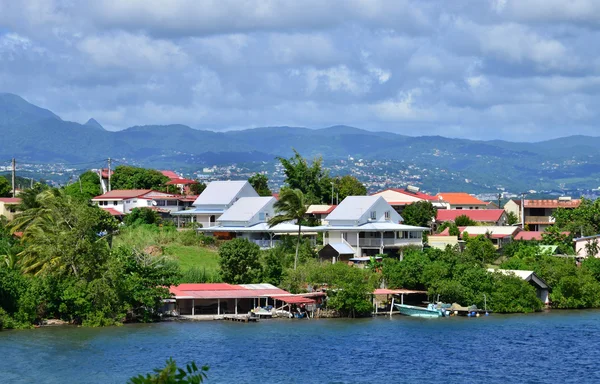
[
  {"x": 128, "y": 201},
  {"x": 373, "y": 215},
  {"x": 261, "y": 216},
  {"x": 387, "y": 215},
  {"x": 115, "y": 202}
]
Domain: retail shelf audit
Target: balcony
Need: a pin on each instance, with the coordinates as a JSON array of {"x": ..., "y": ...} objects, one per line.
[
  {"x": 539, "y": 219},
  {"x": 387, "y": 242}
]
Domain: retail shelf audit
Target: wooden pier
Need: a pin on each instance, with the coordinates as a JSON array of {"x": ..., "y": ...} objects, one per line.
[{"x": 241, "y": 318}]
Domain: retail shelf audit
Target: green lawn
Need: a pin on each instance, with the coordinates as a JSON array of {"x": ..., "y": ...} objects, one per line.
[{"x": 194, "y": 256}]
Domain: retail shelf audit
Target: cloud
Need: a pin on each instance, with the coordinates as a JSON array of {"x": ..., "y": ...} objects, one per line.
[{"x": 479, "y": 69}]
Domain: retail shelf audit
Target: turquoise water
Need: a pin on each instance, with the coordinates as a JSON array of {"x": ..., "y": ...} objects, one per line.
[{"x": 556, "y": 347}]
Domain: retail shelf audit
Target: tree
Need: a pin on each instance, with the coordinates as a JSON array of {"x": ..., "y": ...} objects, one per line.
[
  {"x": 348, "y": 186},
  {"x": 480, "y": 248},
  {"x": 5, "y": 187},
  {"x": 128, "y": 177},
  {"x": 581, "y": 221},
  {"x": 260, "y": 183},
  {"x": 553, "y": 236},
  {"x": 290, "y": 207},
  {"x": 139, "y": 216},
  {"x": 511, "y": 218},
  {"x": 198, "y": 188},
  {"x": 464, "y": 221},
  {"x": 63, "y": 235},
  {"x": 29, "y": 196},
  {"x": 171, "y": 374},
  {"x": 239, "y": 260},
  {"x": 86, "y": 187},
  {"x": 421, "y": 214},
  {"x": 312, "y": 180}
]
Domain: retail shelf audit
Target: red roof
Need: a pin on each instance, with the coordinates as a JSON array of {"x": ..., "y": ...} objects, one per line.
[
  {"x": 529, "y": 235},
  {"x": 170, "y": 174},
  {"x": 225, "y": 291},
  {"x": 181, "y": 180},
  {"x": 123, "y": 194},
  {"x": 188, "y": 198},
  {"x": 104, "y": 173},
  {"x": 10, "y": 200},
  {"x": 113, "y": 211},
  {"x": 276, "y": 196},
  {"x": 459, "y": 198},
  {"x": 294, "y": 299},
  {"x": 479, "y": 215}
]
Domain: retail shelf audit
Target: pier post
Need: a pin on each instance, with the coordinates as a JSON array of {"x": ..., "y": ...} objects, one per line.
[
  {"x": 193, "y": 305},
  {"x": 236, "y": 305},
  {"x": 218, "y": 306},
  {"x": 392, "y": 307}
]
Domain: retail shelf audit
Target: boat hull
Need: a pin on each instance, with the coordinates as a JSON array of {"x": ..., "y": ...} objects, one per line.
[{"x": 413, "y": 311}]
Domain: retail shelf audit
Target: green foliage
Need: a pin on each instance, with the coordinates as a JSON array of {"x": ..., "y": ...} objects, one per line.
[
  {"x": 312, "y": 180},
  {"x": 554, "y": 236},
  {"x": 581, "y": 221},
  {"x": 140, "y": 216},
  {"x": 29, "y": 196},
  {"x": 67, "y": 270},
  {"x": 171, "y": 374},
  {"x": 480, "y": 248},
  {"x": 291, "y": 206},
  {"x": 511, "y": 218},
  {"x": 421, "y": 214},
  {"x": 260, "y": 183},
  {"x": 239, "y": 261},
  {"x": 85, "y": 188},
  {"x": 348, "y": 186},
  {"x": 511, "y": 294},
  {"x": 272, "y": 265},
  {"x": 199, "y": 274},
  {"x": 5, "y": 187},
  {"x": 128, "y": 177},
  {"x": 196, "y": 189},
  {"x": 576, "y": 291},
  {"x": 464, "y": 221}
]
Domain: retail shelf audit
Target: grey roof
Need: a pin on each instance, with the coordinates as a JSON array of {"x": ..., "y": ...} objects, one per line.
[
  {"x": 386, "y": 226},
  {"x": 342, "y": 248},
  {"x": 353, "y": 207},
  {"x": 220, "y": 192},
  {"x": 287, "y": 228},
  {"x": 245, "y": 208}
]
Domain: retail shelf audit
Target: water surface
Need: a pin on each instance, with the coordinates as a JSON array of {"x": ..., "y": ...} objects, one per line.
[{"x": 556, "y": 347}]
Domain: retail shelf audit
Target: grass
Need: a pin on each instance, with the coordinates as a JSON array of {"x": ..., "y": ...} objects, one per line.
[
  {"x": 191, "y": 256},
  {"x": 185, "y": 247}
]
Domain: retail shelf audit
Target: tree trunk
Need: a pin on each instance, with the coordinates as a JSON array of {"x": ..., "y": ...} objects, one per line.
[{"x": 297, "y": 246}]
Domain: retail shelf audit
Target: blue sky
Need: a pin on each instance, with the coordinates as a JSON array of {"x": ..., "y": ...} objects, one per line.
[{"x": 518, "y": 70}]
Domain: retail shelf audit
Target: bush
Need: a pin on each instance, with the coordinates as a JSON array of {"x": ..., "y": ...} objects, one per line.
[
  {"x": 511, "y": 294},
  {"x": 239, "y": 260},
  {"x": 139, "y": 216},
  {"x": 171, "y": 374}
]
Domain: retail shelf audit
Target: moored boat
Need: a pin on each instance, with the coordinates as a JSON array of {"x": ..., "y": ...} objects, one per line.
[{"x": 431, "y": 311}]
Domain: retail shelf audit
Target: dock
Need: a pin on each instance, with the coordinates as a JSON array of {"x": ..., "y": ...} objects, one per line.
[{"x": 241, "y": 318}]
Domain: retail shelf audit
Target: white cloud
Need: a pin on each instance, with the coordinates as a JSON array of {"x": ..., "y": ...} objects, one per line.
[{"x": 138, "y": 52}]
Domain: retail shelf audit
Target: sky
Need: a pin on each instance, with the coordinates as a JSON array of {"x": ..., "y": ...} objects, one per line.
[{"x": 519, "y": 70}]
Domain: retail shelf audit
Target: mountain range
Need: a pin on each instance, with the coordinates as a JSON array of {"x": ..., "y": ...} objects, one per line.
[{"x": 31, "y": 133}]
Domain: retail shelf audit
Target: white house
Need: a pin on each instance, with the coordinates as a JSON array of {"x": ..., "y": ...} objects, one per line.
[
  {"x": 123, "y": 201},
  {"x": 247, "y": 218},
  {"x": 215, "y": 200},
  {"x": 370, "y": 226}
]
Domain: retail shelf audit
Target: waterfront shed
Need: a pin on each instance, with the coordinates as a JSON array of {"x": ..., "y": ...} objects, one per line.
[{"x": 541, "y": 287}]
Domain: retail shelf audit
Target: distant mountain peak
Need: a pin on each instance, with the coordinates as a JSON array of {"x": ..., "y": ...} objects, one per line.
[
  {"x": 15, "y": 110},
  {"x": 94, "y": 124}
]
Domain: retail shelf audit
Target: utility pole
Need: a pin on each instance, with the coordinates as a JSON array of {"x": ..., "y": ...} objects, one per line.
[
  {"x": 499, "y": 197},
  {"x": 332, "y": 193},
  {"x": 523, "y": 210},
  {"x": 14, "y": 176},
  {"x": 109, "y": 188}
]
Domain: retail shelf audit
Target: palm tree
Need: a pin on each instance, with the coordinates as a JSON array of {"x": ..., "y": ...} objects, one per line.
[{"x": 289, "y": 207}]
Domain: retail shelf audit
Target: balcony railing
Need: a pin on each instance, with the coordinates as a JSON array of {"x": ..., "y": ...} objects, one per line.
[{"x": 539, "y": 219}]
